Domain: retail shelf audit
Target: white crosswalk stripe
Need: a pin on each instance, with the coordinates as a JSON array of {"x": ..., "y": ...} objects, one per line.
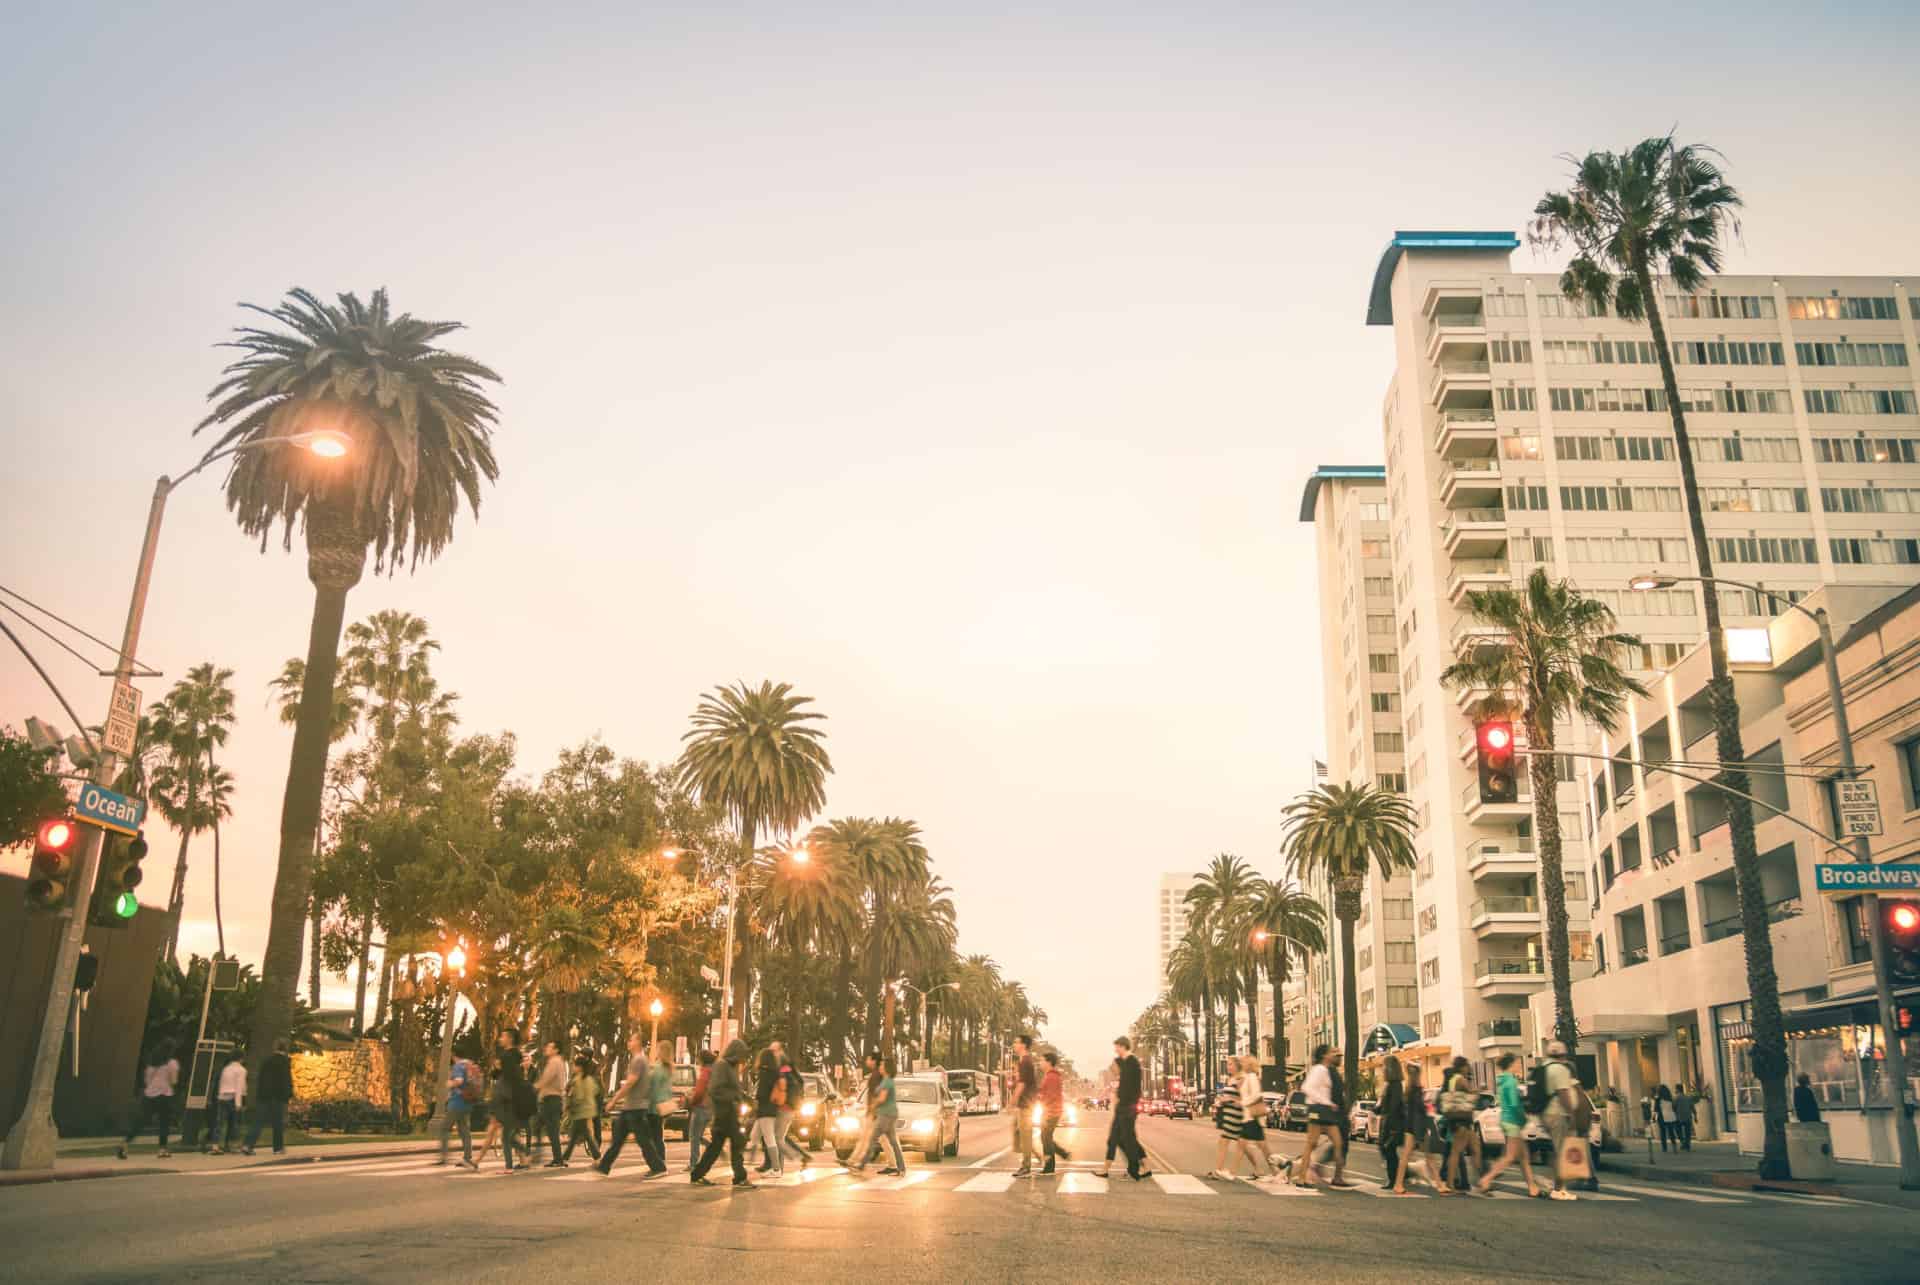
[
  {"x": 993, "y": 1180},
  {"x": 1181, "y": 1184},
  {"x": 1674, "y": 1193}
]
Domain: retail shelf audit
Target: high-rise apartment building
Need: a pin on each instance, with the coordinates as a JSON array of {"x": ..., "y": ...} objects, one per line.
[
  {"x": 1360, "y": 659},
  {"x": 1170, "y": 906},
  {"x": 1522, "y": 430}
]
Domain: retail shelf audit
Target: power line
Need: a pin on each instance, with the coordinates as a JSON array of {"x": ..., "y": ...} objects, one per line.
[
  {"x": 132, "y": 663},
  {"x": 65, "y": 646}
]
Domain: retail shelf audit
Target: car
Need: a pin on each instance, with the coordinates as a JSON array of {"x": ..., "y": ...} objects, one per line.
[
  {"x": 1295, "y": 1115},
  {"x": 813, "y": 1113},
  {"x": 929, "y": 1120},
  {"x": 1539, "y": 1140},
  {"x": 1181, "y": 1109},
  {"x": 685, "y": 1076},
  {"x": 1363, "y": 1121}
]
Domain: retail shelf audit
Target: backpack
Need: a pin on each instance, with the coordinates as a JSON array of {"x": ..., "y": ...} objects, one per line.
[
  {"x": 469, "y": 1082},
  {"x": 525, "y": 1104},
  {"x": 1537, "y": 1089},
  {"x": 778, "y": 1094},
  {"x": 1456, "y": 1103}
]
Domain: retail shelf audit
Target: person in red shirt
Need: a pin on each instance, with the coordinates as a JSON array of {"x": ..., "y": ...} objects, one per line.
[
  {"x": 1052, "y": 1106},
  {"x": 699, "y": 1109}
]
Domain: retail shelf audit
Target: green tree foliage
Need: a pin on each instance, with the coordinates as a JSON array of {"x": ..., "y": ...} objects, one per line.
[{"x": 30, "y": 788}]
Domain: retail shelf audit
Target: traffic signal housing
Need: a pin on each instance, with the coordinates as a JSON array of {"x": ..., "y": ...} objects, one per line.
[
  {"x": 1902, "y": 922},
  {"x": 114, "y": 901},
  {"x": 1494, "y": 758},
  {"x": 50, "y": 877}
]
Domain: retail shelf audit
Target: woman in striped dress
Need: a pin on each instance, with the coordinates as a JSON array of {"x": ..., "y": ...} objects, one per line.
[{"x": 1229, "y": 1122}]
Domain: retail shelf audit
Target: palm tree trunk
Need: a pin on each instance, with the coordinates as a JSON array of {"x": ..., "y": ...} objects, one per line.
[
  {"x": 336, "y": 556},
  {"x": 219, "y": 924},
  {"x": 842, "y": 1020},
  {"x": 1233, "y": 1025},
  {"x": 1253, "y": 1010},
  {"x": 1763, "y": 983},
  {"x": 387, "y": 965},
  {"x": 1210, "y": 1071},
  {"x": 1544, "y": 774},
  {"x": 1276, "y": 972},
  {"x": 742, "y": 939},
  {"x": 362, "y": 958},
  {"x": 1347, "y": 907},
  {"x": 313, "y": 958},
  {"x": 177, "y": 895}
]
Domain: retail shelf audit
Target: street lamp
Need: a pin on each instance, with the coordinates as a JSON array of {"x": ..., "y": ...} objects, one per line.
[
  {"x": 453, "y": 968},
  {"x": 30, "y": 1142},
  {"x": 1891, "y": 1039},
  {"x": 655, "y": 1009}
]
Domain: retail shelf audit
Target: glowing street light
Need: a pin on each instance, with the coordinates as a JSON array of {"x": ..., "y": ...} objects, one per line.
[
  {"x": 457, "y": 959},
  {"x": 656, "y": 1008},
  {"x": 800, "y": 855}
]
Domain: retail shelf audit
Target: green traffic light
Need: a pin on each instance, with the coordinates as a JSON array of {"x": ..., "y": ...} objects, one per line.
[{"x": 126, "y": 905}]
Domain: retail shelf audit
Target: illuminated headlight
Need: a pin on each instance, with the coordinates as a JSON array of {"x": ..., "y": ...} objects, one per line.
[
  {"x": 847, "y": 1124},
  {"x": 745, "y": 1111},
  {"x": 923, "y": 1126},
  {"x": 1073, "y": 1115},
  {"x": 808, "y": 1110}
]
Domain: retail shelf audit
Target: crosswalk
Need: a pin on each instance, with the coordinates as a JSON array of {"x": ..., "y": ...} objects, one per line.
[{"x": 1076, "y": 1180}]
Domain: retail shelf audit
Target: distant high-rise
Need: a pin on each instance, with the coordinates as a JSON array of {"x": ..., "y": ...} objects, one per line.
[{"x": 1171, "y": 908}]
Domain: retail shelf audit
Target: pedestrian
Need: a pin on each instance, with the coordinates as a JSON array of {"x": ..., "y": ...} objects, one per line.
[
  {"x": 157, "y": 1082},
  {"x": 658, "y": 1095},
  {"x": 1322, "y": 1112},
  {"x": 796, "y": 1089},
  {"x": 507, "y": 1091},
  {"x": 270, "y": 1101},
  {"x": 884, "y": 1103},
  {"x": 463, "y": 1090},
  {"x": 725, "y": 1091},
  {"x": 232, "y": 1096},
  {"x": 1562, "y": 1113},
  {"x": 699, "y": 1108},
  {"x": 1806, "y": 1106},
  {"x": 865, "y": 1145},
  {"x": 1122, "y": 1132},
  {"x": 1413, "y": 1144},
  {"x": 1683, "y": 1101},
  {"x": 1663, "y": 1109},
  {"x": 1342, "y": 1122},
  {"x": 1053, "y": 1107},
  {"x": 1463, "y": 1131},
  {"x": 629, "y": 1103},
  {"x": 1229, "y": 1118},
  {"x": 1024, "y": 1090},
  {"x": 583, "y": 1108},
  {"x": 1513, "y": 1128},
  {"x": 551, "y": 1089},
  {"x": 769, "y": 1095},
  {"x": 1253, "y": 1134}
]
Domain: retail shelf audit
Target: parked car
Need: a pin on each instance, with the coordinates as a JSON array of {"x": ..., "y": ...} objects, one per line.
[
  {"x": 1363, "y": 1120},
  {"x": 1181, "y": 1109},
  {"x": 1295, "y": 1115},
  {"x": 1539, "y": 1141}
]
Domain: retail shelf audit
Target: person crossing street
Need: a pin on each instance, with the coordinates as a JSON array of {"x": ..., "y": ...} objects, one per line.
[
  {"x": 1053, "y": 1107},
  {"x": 726, "y": 1091},
  {"x": 1023, "y": 1092},
  {"x": 1122, "y": 1131}
]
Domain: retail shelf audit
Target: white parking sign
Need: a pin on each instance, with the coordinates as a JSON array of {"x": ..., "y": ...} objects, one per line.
[{"x": 1858, "y": 803}]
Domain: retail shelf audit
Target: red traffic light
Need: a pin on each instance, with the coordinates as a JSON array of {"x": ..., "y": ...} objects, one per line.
[
  {"x": 1496, "y": 736},
  {"x": 1903, "y": 917},
  {"x": 56, "y": 835}
]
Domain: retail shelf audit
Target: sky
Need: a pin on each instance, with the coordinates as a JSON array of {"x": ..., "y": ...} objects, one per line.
[{"x": 960, "y": 365}]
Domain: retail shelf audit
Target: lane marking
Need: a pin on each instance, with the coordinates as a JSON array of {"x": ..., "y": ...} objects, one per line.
[
  {"x": 911, "y": 1178},
  {"x": 995, "y": 1181},
  {"x": 366, "y": 1167},
  {"x": 1182, "y": 1184},
  {"x": 1659, "y": 1194},
  {"x": 1082, "y": 1184},
  {"x": 984, "y": 1161}
]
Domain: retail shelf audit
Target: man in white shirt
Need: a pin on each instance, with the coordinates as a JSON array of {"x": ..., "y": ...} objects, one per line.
[{"x": 232, "y": 1097}]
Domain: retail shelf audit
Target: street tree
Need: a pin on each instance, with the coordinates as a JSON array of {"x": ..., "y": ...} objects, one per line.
[
  {"x": 1295, "y": 926},
  {"x": 189, "y": 724},
  {"x": 1220, "y": 898},
  {"x": 30, "y": 788}
]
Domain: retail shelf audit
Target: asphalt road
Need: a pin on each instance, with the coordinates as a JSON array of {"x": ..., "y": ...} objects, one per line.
[{"x": 401, "y": 1219}]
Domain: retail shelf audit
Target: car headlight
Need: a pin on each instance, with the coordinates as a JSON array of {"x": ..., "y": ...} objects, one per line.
[
  {"x": 847, "y": 1124},
  {"x": 1073, "y": 1115},
  {"x": 1038, "y": 1115},
  {"x": 923, "y": 1126},
  {"x": 808, "y": 1110},
  {"x": 745, "y": 1111}
]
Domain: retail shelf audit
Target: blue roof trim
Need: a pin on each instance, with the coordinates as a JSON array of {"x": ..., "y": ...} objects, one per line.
[
  {"x": 1380, "y": 301},
  {"x": 1337, "y": 473}
]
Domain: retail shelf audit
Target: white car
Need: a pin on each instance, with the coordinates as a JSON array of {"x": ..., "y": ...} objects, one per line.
[
  {"x": 1363, "y": 1121},
  {"x": 1539, "y": 1141},
  {"x": 929, "y": 1120}
]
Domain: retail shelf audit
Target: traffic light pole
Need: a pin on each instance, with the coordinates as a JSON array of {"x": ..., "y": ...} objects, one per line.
[{"x": 31, "y": 1141}]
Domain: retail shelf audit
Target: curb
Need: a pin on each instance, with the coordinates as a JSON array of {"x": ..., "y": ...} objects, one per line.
[
  {"x": 1748, "y": 1180},
  {"x": 32, "y": 1177}
]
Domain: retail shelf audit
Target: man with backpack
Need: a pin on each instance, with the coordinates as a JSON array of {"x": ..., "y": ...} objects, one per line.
[
  {"x": 463, "y": 1090},
  {"x": 796, "y": 1089},
  {"x": 1568, "y": 1115}
]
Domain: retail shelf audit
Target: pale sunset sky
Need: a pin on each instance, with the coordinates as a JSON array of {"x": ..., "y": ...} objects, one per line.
[{"x": 960, "y": 365}]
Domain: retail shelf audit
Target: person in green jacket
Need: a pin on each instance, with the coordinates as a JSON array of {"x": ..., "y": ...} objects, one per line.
[
  {"x": 1513, "y": 1125},
  {"x": 657, "y": 1093},
  {"x": 583, "y": 1107}
]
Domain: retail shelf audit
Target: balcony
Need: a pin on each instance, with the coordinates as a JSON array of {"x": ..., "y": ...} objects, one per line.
[
  {"x": 1486, "y": 861},
  {"x": 1516, "y": 809},
  {"x": 1675, "y": 942},
  {"x": 1499, "y": 1031},
  {"x": 1729, "y": 925},
  {"x": 1504, "y": 916},
  {"x": 1474, "y": 533},
  {"x": 1457, "y": 378},
  {"x": 1508, "y": 975},
  {"x": 1453, "y": 330},
  {"x": 1471, "y": 482},
  {"x": 1631, "y": 955},
  {"x": 1466, "y": 434},
  {"x": 1481, "y": 575}
]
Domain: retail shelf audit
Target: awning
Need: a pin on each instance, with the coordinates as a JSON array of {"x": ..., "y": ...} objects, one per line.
[
  {"x": 1620, "y": 1026},
  {"x": 1823, "y": 1011}
]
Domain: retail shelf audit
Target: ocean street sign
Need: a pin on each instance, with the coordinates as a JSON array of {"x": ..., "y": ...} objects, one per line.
[
  {"x": 1853, "y": 877},
  {"x": 100, "y": 806}
]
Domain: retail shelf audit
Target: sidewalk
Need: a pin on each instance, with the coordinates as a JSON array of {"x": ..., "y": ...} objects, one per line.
[
  {"x": 1720, "y": 1164},
  {"x": 78, "y": 1159}
]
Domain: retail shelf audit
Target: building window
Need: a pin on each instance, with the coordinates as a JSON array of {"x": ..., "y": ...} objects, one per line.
[
  {"x": 1389, "y": 743},
  {"x": 1399, "y": 952},
  {"x": 1429, "y": 920},
  {"x": 1856, "y": 930},
  {"x": 1381, "y": 662},
  {"x": 1579, "y": 945},
  {"x": 1430, "y": 972},
  {"x": 1402, "y": 996},
  {"x": 1909, "y": 752},
  {"x": 1363, "y": 960},
  {"x": 1430, "y": 1025},
  {"x": 1396, "y": 908}
]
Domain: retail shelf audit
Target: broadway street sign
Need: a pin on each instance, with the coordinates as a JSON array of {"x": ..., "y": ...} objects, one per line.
[{"x": 1845, "y": 880}]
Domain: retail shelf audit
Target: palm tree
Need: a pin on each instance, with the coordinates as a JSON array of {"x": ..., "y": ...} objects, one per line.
[
  {"x": 919, "y": 930},
  {"x": 752, "y": 753},
  {"x": 341, "y": 720},
  {"x": 1220, "y": 897},
  {"x": 850, "y": 848},
  {"x": 190, "y": 722},
  {"x": 892, "y": 873},
  {"x": 1661, "y": 207},
  {"x": 979, "y": 981},
  {"x": 811, "y": 907},
  {"x": 1556, "y": 654},
  {"x": 1340, "y": 833},
  {"x": 387, "y": 654},
  {"x": 1295, "y": 925},
  {"x": 1193, "y": 971},
  {"x": 418, "y": 425}
]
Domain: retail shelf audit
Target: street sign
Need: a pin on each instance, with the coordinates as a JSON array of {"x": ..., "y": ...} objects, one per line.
[
  {"x": 126, "y": 699},
  {"x": 1855, "y": 877},
  {"x": 711, "y": 975},
  {"x": 123, "y": 719},
  {"x": 100, "y": 806},
  {"x": 1858, "y": 802}
]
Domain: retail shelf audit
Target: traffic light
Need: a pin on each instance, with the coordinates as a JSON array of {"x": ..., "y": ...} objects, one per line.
[
  {"x": 1493, "y": 755},
  {"x": 1902, "y": 922},
  {"x": 51, "y": 874},
  {"x": 114, "y": 901}
]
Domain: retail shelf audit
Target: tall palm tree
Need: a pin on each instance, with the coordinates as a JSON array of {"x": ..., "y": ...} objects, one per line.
[
  {"x": 418, "y": 427},
  {"x": 894, "y": 872},
  {"x": 1663, "y": 207},
  {"x": 387, "y": 654},
  {"x": 919, "y": 930},
  {"x": 342, "y": 719},
  {"x": 1220, "y": 896},
  {"x": 191, "y": 721},
  {"x": 1341, "y": 832},
  {"x": 753, "y": 752},
  {"x": 1193, "y": 971},
  {"x": 979, "y": 982},
  {"x": 1295, "y": 926},
  {"x": 850, "y": 848},
  {"x": 1556, "y": 654},
  {"x": 810, "y": 908}
]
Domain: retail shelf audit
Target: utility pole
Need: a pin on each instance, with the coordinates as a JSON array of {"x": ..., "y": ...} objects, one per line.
[{"x": 31, "y": 1141}]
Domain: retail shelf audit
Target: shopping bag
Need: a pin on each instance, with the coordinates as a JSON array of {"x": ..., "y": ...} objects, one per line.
[{"x": 1574, "y": 1161}]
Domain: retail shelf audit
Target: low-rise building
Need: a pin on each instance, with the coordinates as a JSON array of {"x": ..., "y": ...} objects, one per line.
[{"x": 1669, "y": 1000}]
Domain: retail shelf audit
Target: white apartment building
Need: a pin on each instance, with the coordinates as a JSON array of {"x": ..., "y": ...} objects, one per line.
[
  {"x": 1170, "y": 905},
  {"x": 1360, "y": 661},
  {"x": 1668, "y": 1003},
  {"x": 1523, "y": 431}
]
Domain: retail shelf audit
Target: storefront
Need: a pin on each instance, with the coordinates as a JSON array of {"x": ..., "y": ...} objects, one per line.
[{"x": 1839, "y": 1046}]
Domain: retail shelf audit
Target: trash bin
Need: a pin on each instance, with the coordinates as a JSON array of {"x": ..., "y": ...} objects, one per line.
[{"x": 1809, "y": 1152}]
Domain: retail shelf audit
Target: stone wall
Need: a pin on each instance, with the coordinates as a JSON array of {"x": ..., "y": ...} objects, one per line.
[{"x": 355, "y": 1072}]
